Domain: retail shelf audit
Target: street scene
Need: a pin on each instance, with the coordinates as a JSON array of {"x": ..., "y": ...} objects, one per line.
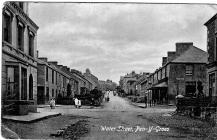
[{"x": 93, "y": 71}]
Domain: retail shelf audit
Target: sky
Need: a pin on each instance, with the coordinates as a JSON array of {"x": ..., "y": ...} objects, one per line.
[{"x": 113, "y": 39}]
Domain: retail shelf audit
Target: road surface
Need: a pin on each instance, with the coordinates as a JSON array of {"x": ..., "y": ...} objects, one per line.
[{"x": 117, "y": 119}]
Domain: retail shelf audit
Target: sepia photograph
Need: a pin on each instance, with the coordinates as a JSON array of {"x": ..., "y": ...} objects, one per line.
[{"x": 108, "y": 70}]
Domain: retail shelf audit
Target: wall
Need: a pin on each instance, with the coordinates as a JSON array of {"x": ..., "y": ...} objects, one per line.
[{"x": 177, "y": 78}]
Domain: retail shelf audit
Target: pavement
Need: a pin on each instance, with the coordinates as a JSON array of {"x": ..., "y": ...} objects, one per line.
[
  {"x": 31, "y": 117},
  {"x": 143, "y": 105},
  {"x": 44, "y": 112}
]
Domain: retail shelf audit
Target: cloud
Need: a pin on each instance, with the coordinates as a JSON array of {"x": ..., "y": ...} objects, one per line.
[{"x": 113, "y": 39}]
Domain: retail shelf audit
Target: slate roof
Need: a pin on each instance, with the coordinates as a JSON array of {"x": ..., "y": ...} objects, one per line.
[{"x": 192, "y": 55}]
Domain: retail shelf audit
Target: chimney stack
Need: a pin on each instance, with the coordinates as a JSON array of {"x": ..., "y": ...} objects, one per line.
[
  {"x": 164, "y": 60},
  {"x": 171, "y": 56},
  {"x": 53, "y": 62},
  {"x": 182, "y": 47},
  {"x": 43, "y": 58}
]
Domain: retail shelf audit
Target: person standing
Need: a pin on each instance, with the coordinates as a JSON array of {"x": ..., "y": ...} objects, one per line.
[
  {"x": 76, "y": 102},
  {"x": 52, "y": 104},
  {"x": 79, "y": 103}
]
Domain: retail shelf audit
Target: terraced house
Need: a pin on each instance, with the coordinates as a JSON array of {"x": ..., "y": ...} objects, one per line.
[
  {"x": 19, "y": 64},
  {"x": 84, "y": 84},
  {"x": 181, "y": 72},
  {"x": 54, "y": 81}
]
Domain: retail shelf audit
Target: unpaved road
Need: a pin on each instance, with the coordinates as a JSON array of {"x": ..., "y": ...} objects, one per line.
[{"x": 117, "y": 120}]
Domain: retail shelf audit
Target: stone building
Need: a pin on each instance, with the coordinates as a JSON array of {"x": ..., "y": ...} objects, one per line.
[
  {"x": 107, "y": 85},
  {"x": 211, "y": 25},
  {"x": 92, "y": 78},
  {"x": 141, "y": 84},
  {"x": 84, "y": 85},
  {"x": 54, "y": 80},
  {"x": 128, "y": 83},
  {"x": 180, "y": 73},
  {"x": 19, "y": 64}
]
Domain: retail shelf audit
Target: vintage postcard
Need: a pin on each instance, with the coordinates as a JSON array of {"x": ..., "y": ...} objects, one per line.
[{"x": 108, "y": 70}]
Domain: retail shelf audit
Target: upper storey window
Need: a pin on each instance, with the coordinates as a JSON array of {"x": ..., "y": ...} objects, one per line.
[
  {"x": 7, "y": 18},
  {"x": 20, "y": 36},
  {"x": 189, "y": 70},
  {"x": 31, "y": 44},
  {"x": 21, "y": 5}
]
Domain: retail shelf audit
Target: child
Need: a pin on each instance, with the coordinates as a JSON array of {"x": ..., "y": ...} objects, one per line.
[
  {"x": 52, "y": 104},
  {"x": 76, "y": 102}
]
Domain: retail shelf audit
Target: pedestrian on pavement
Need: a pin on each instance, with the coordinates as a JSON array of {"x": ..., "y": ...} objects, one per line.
[
  {"x": 76, "y": 102},
  {"x": 52, "y": 103},
  {"x": 79, "y": 103}
]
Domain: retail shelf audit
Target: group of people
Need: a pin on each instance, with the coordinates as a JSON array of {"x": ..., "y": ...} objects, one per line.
[{"x": 52, "y": 103}]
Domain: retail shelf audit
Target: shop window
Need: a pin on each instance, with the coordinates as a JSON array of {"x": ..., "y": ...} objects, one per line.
[
  {"x": 12, "y": 83},
  {"x": 190, "y": 88}
]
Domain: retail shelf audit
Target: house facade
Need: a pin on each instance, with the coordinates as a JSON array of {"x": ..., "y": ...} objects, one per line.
[
  {"x": 181, "y": 74},
  {"x": 84, "y": 84},
  {"x": 141, "y": 84},
  {"x": 19, "y": 64},
  {"x": 53, "y": 81},
  {"x": 211, "y": 25},
  {"x": 92, "y": 78},
  {"x": 128, "y": 83}
]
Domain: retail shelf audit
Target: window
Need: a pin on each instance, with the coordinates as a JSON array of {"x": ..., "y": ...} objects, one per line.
[
  {"x": 47, "y": 93},
  {"x": 52, "y": 92},
  {"x": 52, "y": 76},
  {"x": 190, "y": 87},
  {"x": 189, "y": 70},
  {"x": 23, "y": 84},
  {"x": 7, "y": 27},
  {"x": 46, "y": 73},
  {"x": 216, "y": 48},
  {"x": 21, "y": 5},
  {"x": 30, "y": 87},
  {"x": 212, "y": 84},
  {"x": 20, "y": 36},
  {"x": 56, "y": 77},
  {"x": 12, "y": 83},
  {"x": 163, "y": 72},
  {"x": 31, "y": 44}
]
